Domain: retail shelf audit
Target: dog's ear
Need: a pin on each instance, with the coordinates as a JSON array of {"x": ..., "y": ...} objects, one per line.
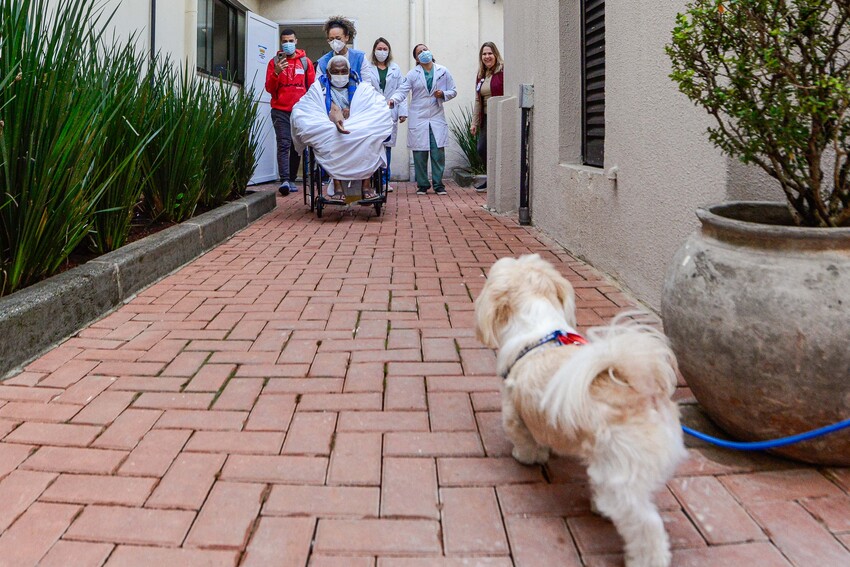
[
  {"x": 567, "y": 298},
  {"x": 492, "y": 312}
]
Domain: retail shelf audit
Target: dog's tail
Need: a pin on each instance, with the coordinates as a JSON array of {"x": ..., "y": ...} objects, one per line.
[{"x": 630, "y": 351}]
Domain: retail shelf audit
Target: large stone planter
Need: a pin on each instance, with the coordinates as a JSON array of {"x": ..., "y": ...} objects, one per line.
[{"x": 758, "y": 313}]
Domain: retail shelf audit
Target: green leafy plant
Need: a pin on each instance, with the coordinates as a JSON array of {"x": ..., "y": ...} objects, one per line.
[
  {"x": 246, "y": 139},
  {"x": 54, "y": 119},
  {"x": 174, "y": 160},
  {"x": 229, "y": 157},
  {"x": 120, "y": 73},
  {"x": 775, "y": 75},
  {"x": 459, "y": 126}
]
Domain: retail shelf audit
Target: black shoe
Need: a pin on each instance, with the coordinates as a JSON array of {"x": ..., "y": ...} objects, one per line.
[
  {"x": 440, "y": 191},
  {"x": 421, "y": 191},
  {"x": 481, "y": 187},
  {"x": 284, "y": 188}
]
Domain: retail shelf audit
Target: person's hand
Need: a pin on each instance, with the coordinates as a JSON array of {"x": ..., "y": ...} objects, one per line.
[
  {"x": 279, "y": 65},
  {"x": 402, "y": 119},
  {"x": 473, "y": 129},
  {"x": 346, "y": 112},
  {"x": 337, "y": 116},
  {"x": 439, "y": 94},
  {"x": 340, "y": 127},
  {"x": 391, "y": 103}
]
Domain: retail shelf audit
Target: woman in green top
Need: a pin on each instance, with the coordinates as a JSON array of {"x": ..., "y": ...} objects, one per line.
[{"x": 385, "y": 73}]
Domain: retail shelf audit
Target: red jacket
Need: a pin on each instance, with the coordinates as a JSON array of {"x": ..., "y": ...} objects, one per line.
[{"x": 288, "y": 87}]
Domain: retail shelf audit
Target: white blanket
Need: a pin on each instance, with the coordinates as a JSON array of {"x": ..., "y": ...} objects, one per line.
[{"x": 344, "y": 156}]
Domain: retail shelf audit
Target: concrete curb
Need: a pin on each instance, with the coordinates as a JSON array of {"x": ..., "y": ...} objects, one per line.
[{"x": 36, "y": 318}]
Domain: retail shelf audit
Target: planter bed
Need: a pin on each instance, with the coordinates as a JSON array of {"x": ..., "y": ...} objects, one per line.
[{"x": 35, "y": 318}]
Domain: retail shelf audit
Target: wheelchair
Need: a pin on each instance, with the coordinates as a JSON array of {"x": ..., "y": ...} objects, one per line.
[{"x": 314, "y": 188}]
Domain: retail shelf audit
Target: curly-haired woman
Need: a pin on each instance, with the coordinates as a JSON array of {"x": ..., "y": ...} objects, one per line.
[{"x": 340, "y": 31}]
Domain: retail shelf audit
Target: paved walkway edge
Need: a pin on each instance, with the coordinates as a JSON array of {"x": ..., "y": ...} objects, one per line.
[{"x": 36, "y": 318}]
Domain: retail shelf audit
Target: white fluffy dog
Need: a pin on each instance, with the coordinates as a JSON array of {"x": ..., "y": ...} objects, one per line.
[{"x": 606, "y": 402}]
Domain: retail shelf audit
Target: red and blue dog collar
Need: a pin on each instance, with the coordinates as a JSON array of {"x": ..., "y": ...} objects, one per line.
[{"x": 560, "y": 338}]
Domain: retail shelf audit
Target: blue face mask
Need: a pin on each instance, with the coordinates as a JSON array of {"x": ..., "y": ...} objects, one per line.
[
  {"x": 425, "y": 57},
  {"x": 289, "y": 48}
]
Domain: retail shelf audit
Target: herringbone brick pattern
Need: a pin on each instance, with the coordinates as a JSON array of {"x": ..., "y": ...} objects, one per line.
[{"x": 311, "y": 393}]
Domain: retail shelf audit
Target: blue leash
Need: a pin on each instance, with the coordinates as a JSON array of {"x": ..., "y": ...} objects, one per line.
[{"x": 770, "y": 444}]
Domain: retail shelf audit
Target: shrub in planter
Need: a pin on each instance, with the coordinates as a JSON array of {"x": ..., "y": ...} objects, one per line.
[
  {"x": 459, "y": 126},
  {"x": 246, "y": 140},
  {"x": 755, "y": 302},
  {"x": 229, "y": 160},
  {"x": 174, "y": 160},
  {"x": 775, "y": 75},
  {"x": 53, "y": 113},
  {"x": 126, "y": 132}
]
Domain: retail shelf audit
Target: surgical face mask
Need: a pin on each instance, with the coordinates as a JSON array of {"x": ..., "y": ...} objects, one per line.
[
  {"x": 425, "y": 57},
  {"x": 289, "y": 48},
  {"x": 337, "y": 45},
  {"x": 381, "y": 55},
  {"x": 339, "y": 81}
]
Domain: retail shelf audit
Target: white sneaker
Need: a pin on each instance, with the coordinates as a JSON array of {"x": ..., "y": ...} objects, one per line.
[{"x": 390, "y": 189}]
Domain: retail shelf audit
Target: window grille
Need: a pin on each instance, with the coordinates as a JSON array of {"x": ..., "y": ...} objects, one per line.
[{"x": 593, "y": 81}]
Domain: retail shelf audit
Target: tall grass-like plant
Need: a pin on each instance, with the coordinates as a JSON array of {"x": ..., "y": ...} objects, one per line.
[
  {"x": 459, "y": 126},
  {"x": 246, "y": 141},
  {"x": 50, "y": 179},
  {"x": 174, "y": 160},
  {"x": 219, "y": 153},
  {"x": 120, "y": 73}
]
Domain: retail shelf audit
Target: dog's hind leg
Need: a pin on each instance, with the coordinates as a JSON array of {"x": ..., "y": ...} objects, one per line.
[
  {"x": 526, "y": 450},
  {"x": 629, "y": 505}
]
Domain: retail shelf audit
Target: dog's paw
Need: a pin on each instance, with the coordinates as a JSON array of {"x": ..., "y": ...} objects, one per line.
[
  {"x": 661, "y": 558},
  {"x": 531, "y": 455}
]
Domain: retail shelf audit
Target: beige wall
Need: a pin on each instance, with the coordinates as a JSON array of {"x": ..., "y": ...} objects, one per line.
[
  {"x": 176, "y": 23},
  {"x": 453, "y": 29},
  {"x": 655, "y": 139}
]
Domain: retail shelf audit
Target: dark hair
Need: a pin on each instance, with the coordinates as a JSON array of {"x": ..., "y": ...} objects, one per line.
[
  {"x": 343, "y": 23},
  {"x": 389, "y": 54},
  {"x": 287, "y": 31},
  {"x": 434, "y": 60}
]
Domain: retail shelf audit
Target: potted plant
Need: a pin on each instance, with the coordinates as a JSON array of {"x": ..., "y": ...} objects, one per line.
[
  {"x": 757, "y": 303},
  {"x": 475, "y": 170}
]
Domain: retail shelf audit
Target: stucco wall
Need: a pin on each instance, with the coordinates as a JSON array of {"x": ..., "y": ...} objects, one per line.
[
  {"x": 453, "y": 29},
  {"x": 630, "y": 227}
]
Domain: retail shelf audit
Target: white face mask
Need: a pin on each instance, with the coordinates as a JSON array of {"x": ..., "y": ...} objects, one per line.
[
  {"x": 337, "y": 45},
  {"x": 381, "y": 55},
  {"x": 339, "y": 81}
]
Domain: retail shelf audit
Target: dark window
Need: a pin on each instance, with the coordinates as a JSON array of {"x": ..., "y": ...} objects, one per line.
[
  {"x": 221, "y": 40},
  {"x": 593, "y": 81}
]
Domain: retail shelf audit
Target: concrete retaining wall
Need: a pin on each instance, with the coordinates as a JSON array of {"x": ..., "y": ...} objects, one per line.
[{"x": 36, "y": 318}]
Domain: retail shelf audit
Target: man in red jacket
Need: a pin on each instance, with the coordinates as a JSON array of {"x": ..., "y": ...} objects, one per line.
[{"x": 288, "y": 77}]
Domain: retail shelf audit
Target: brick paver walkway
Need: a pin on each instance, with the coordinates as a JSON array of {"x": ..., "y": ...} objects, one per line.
[{"x": 311, "y": 392}]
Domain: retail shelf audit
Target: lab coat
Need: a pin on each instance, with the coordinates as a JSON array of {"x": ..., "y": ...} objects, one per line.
[
  {"x": 394, "y": 80},
  {"x": 426, "y": 109}
]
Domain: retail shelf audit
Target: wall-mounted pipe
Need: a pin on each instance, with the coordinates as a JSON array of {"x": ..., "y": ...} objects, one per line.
[
  {"x": 427, "y": 17},
  {"x": 153, "y": 30}
]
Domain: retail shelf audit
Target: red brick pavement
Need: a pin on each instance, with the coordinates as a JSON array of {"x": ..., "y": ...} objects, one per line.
[{"x": 311, "y": 393}]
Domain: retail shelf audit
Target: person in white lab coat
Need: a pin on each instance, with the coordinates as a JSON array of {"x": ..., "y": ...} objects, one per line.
[
  {"x": 430, "y": 86},
  {"x": 387, "y": 75}
]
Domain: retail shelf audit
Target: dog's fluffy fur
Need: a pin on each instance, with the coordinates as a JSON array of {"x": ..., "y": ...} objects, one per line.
[{"x": 607, "y": 403}]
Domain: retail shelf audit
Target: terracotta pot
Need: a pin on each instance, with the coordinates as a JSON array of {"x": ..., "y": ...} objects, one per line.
[{"x": 758, "y": 313}]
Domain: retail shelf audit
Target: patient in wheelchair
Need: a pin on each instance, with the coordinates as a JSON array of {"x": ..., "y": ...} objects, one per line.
[{"x": 345, "y": 121}]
